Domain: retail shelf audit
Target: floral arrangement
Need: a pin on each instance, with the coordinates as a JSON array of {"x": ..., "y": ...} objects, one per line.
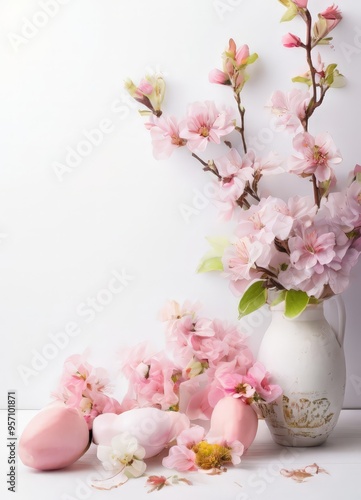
[
  {"x": 203, "y": 361},
  {"x": 297, "y": 251},
  {"x": 205, "y": 372}
]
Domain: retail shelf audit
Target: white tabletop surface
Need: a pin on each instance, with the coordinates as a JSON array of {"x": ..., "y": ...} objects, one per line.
[{"x": 257, "y": 477}]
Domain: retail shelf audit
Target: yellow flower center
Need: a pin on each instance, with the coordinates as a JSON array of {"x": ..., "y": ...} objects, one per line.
[
  {"x": 319, "y": 156},
  {"x": 241, "y": 388},
  {"x": 209, "y": 456},
  {"x": 203, "y": 131}
]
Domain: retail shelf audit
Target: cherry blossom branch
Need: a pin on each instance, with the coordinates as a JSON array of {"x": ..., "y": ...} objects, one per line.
[
  {"x": 265, "y": 271},
  {"x": 271, "y": 277},
  {"x": 308, "y": 47},
  {"x": 252, "y": 193},
  {"x": 208, "y": 166},
  {"x": 316, "y": 191},
  {"x": 242, "y": 112},
  {"x": 315, "y": 101},
  {"x": 242, "y": 202}
]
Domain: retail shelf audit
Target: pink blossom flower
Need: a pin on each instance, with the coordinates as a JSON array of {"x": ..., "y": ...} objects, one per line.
[
  {"x": 258, "y": 377},
  {"x": 344, "y": 207},
  {"x": 218, "y": 76},
  {"x": 240, "y": 259},
  {"x": 237, "y": 346},
  {"x": 289, "y": 40},
  {"x": 193, "y": 452},
  {"x": 236, "y": 385},
  {"x": 191, "y": 436},
  {"x": 165, "y": 135},
  {"x": 236, "y": 449},
  {"x": 233, "y": 168},
  {"x": 332, "y": 15},
  {"x": 302, "y": 209},
  {"x": 151, "y": 379},
  {"x": 311, "y": 283},
  {"x": 321, "y": 255},
  {"x": 340, "y": 269},
  {"x": 312, "y": 249},
  {"x": 205, "y": 123},
  {"x": 172, "y": 310},
  {"x": 133, "y": 360},
  {"x": 267, "y": 165},
  {"x": 209, "y": 349},
  {"x": 265, "y": 221},
  {"x": 221, "y": 384},
  {"x": 83, "y": 387},
  {"x": 316, "y": 155},
  {"x": 180, "y": 458},
  {"x": 193, "y": 398},
  {"x": 290, "y": 108},
  {"x": 327, "y": 21},
  {"x": 158, "y": 389},
  {"x": 236, "y": 172}
]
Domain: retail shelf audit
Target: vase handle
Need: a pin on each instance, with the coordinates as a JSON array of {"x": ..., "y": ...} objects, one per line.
[{"x": 341, "y": 312}]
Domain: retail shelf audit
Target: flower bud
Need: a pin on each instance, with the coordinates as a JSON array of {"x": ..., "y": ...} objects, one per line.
[{"x": 289, "y": 40}]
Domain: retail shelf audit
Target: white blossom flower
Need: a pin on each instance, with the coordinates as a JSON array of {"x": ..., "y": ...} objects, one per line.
[
  {"x": 124, "y": 454},
  {"x": 124, "y": 457}
]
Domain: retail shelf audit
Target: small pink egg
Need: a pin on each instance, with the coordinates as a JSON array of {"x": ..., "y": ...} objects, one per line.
[
  {"x": 232, "y": 419},
  {"x": 56, "y": 437}
]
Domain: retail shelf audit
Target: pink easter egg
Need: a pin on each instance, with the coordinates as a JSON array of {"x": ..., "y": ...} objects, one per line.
[
  {"x": 232, "y": 419},
  {"x": 56, "y": 437}
]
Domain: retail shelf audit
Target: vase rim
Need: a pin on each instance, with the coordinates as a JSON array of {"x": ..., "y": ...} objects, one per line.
[
  {"x": 281, "y": 306},
  {"x": 315, "y": 310}
]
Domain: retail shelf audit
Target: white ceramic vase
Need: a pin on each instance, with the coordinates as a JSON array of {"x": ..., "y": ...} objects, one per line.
[{"x": 305, "y": 357}]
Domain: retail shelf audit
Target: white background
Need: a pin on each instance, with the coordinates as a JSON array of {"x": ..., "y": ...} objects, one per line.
[{"x": 119, "y": 209}]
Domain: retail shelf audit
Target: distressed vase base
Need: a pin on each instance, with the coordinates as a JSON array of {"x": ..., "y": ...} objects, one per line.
[
  {"x": 300, "y": 420},
  {"x": 298, "y": 441}
]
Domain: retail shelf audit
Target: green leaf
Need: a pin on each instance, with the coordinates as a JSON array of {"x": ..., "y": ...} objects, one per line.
[
  {"x": 211, "y": 264},
  {"x": 325, "y": 41},
  {"x": 290, "y": 13},
  {"x": 212, "y": 260},
  {"x": 339, "y": 80},
  {"x": 295, "y": 303},
  {"x": 302, "y": 79},
  {"x": 329, "y": 74},
  {"x": 330, "y": 69},
  {"x": 253, "y": 298},
  {"x": 252, "y": 58}
]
